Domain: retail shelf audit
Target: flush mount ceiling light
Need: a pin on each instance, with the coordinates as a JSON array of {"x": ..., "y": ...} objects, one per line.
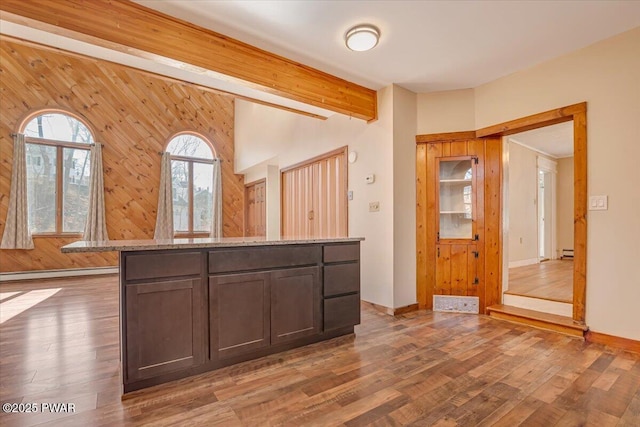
[{"x": 362, "y": 37}]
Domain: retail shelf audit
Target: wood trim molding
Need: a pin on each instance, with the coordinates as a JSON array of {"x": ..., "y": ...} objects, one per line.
[
  {"x": 442, "y": 137},
  {"x": 307, "y": 162},
  {"x": 391, "y": 311},
  {"x": 134, "y": 29},
  {"x": 613, "y": 341},
  {"x": 547, "y": 118}
]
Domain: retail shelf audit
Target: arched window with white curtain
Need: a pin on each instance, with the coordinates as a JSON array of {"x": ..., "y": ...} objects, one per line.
[
  {"x": 58, "y": 161},
  {"x": 192, "y": 182}
]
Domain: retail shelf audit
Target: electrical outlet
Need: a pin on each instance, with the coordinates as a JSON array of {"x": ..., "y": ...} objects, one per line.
[{"x": 374, "y": 206}]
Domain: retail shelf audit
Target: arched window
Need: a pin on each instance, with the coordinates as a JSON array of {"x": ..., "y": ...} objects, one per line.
[
  {"x": 192, "y": 160},
  {"x": 58, "y": 167}
]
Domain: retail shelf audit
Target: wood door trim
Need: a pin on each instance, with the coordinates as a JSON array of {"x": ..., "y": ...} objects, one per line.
[
  {"x": 304, "y": 163},
  {"x": 445, "y": 137},
  {"x": 535, "y": 121},
  {"x": 257, "y": 181},
  {"x": 577, "y": 113}
]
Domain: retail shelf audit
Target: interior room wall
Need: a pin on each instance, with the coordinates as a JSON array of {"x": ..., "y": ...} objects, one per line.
[
  {"x": 282, "y": 138},
  {"x": 273, "y": 201},
  {"x": 523, "y": 217},
  {"x": 133, "y": 114},
  {"x": 404, "y": 197},
  {"x": 607, "y": 76},
  {"x": 447, "y": 111},
  {"x": 565, "y": 204}
]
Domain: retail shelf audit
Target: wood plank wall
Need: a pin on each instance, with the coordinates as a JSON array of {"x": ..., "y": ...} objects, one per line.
[{"x": 133, "y": 114}]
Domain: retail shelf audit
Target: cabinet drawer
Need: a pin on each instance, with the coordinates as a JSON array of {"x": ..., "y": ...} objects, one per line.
[
  {"x": 341, "y": 311},
  {"x": 338, "y": 253},
  {"x": 230, "y": 260},
  {"x": 152, "y": 266},
  {"x": 341, "y": 279}
]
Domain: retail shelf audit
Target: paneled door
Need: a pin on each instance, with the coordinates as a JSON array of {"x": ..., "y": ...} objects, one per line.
[
  {"x": 456, "y": 235},
  {"x": 458, "y": 217},
  {"x": 255, "y": 214},
  {"x": 314, "y": 197}
]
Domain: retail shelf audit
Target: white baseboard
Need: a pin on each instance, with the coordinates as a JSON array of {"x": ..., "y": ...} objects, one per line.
[
  {"x": 546, "y": 306},
  {"x": 523, "y": 262},
  {"x": 48, "y": 274}
]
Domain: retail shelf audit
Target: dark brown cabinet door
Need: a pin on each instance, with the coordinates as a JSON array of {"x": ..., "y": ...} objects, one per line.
[
  {"x": 164, "y": 327},
  {"x": 240, "y": 313},
  {"x": 295, "y": 304}
]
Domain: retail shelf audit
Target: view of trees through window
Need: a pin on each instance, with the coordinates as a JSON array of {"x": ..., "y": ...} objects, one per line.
[
  {"x": 192, "y": 183},
  {"x": 58, "y": 168}
]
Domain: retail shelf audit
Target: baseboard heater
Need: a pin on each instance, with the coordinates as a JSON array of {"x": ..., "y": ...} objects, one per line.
[
  {"x": 456, "y": 304},
  {"x": 567, "y": 254}
]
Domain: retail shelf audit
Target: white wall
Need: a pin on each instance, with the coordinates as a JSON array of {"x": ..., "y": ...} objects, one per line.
[
  {"x": 449, "y": 111},
  {"x": 404, "y": 197},
  {"x": 522, "y": 206},
  {"x": 265, "y": 135},
  {"x": 273, "y": 201},
  {"x": 565, "y": 204},
  {"x": 607, "y": 76}
]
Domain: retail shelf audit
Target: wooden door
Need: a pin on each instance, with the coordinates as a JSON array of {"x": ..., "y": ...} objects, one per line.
[
  {"x": 295, "y": 304},
  {"x": 240, "y": 307},
  {"x": 314, "y": 197},
  {"x": 466, "y": 264},
  {"x": 164, "y": 327},
  {"x": 456, "y": 226},
  {"x": 255, "y": 216}
]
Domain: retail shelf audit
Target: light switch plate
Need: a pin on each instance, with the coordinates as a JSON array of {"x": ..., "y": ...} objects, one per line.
[
  {"x": 350, "y": 194},
  {"x": 598, "y": 203}
]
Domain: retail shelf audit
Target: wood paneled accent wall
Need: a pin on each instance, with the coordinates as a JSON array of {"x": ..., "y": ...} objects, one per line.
[{"x": 133, "y": 113}]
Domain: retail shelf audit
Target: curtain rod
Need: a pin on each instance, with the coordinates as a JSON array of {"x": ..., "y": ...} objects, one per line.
[
  {"x": 13, "y": 135},
  {"x": 215, "y": 159}
]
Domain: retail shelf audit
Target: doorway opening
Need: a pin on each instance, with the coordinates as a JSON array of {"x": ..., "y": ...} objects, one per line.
[{"x": 539, "y": 207}]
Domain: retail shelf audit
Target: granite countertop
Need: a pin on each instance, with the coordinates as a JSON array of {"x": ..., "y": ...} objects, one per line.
[{"x": 143, "y": 245}]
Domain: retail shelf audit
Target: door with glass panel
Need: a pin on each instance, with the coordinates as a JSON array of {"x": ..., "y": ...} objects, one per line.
[{"x": 456, "y": 235}]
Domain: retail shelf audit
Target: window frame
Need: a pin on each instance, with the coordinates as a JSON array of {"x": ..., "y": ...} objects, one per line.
[
  {"x": 190, "y": 233},
  {"x": 60, "y": 146}
]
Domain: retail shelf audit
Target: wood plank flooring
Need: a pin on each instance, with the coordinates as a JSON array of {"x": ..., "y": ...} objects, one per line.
[
  {"x": 421, "y": 368},
  {"x": 551, "y": 280}
]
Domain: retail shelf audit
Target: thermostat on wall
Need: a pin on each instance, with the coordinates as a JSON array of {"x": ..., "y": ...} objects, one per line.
[{"x": 370, "y": 179}]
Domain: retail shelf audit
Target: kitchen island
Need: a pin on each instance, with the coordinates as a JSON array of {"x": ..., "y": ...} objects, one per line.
[{"x": 189, "y": 306}]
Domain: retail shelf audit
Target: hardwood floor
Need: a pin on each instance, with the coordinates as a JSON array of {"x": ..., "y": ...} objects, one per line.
[
  {"x": 551, "y": 280},
  {"x": 421, "y": 368}
]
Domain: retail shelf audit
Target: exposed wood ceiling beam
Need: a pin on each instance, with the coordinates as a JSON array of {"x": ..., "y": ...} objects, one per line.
[
  {"x": 134, "y": 29},
  {"x": 167, "y": 78}
]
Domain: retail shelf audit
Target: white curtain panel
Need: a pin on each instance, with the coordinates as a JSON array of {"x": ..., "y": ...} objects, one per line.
[
  {"x": 216, "y": 213},
  {"x": 95, "y": 229},
  {"x": 164, "y": 219},
  {"x": 16, "y": 229}
]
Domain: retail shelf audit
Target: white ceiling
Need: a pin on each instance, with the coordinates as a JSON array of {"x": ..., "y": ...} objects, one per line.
[
  {"x": 425, "y": 45},
  {"x": 554, "y": 140}
]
